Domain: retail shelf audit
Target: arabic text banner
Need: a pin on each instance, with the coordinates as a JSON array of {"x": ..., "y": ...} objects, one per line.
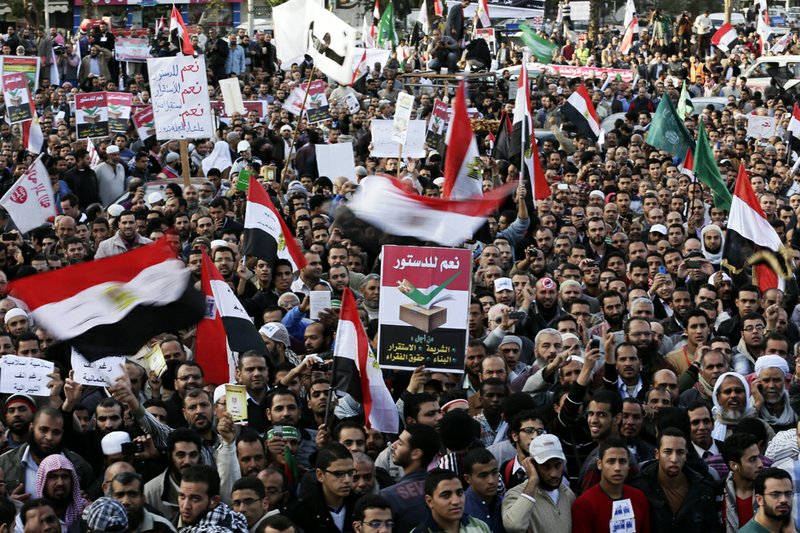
[
  {"x": 424, "y": 308},
  {"x": 179, "y": 91}
]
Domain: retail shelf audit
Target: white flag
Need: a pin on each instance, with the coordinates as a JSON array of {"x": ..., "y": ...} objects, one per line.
[
  {"x": 30, "y": 201},
  {"x": 94, "y": 157}
]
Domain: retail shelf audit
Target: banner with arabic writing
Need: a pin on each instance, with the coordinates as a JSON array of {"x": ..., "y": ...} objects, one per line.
[
  {"x": 119, "y": 111},
  {"x": 179, "y": 92},
  {"x": 91, "y": 115},
  {"x": 424, "y": 308}
]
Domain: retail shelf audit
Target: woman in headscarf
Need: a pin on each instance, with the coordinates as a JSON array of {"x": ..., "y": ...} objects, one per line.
[
  {"x": 712, "y": 242},
  {"x": 58, "y": 482}
]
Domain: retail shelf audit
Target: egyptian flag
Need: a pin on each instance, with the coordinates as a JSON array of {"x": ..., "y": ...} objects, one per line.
[
  {"x": 383, "y": 210},
  {"x": 539, "y": 187},
  {"x": 116, "y": 304},
  {"x": 482, "y": 14},
  {"x": 225, "y": 329},
  {"x": 522, "y": 125},
  {"x": 630, "y": 35},
  {"x": 32, "y": 136},
  {"x": 503, "y": 147},
  {"x": 724, "y": 36},
  {"x": 751, "y": 241},
  {"x": 794, "y": 131},
  {"x": 687, "y": 165},
  {"x": 463, "y": 177},
  {"x": 266, "y": 235},
  {"x": 356, "y": 371},
  {"x": 579, "y": 110},
  {"x": 178, "y": 33}
]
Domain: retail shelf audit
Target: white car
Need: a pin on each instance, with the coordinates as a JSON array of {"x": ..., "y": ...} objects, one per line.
[{"x": 756, "y": 74}]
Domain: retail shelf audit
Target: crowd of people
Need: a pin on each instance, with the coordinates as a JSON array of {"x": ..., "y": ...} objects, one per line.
[{"x": 616, "y": 377}]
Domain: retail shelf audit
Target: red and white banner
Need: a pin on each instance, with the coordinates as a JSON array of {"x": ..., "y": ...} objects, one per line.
[
  {"x": 119, "y": 111},
  {"x": 17, "y": 97},
  {"x": 29, "y": 201},
  {"x": 585, "y": 73}
]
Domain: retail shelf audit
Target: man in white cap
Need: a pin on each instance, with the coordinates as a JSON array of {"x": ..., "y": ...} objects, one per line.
[
  {"x": 17, "y": 321},
  {"x": 770, "y": 397},
  {"x": 110, "y": 176},
  {"x": 172, "y": 167},
  {"x": 276, "y": 338},
  {"x": 245, "y": 159},
  {"x": 543, "y": 502}
]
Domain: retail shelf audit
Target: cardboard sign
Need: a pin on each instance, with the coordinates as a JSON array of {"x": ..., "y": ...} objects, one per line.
[
  {"x": 437, "y": 124},
  {"x": 91, "y": 115},
  {"x": 179, "y": 92},
  {"x": 119, "y": 111},
  {"x": 144, "y": 122},
  {"x": 17, "y": 97},
  {"x": 236, "y": 403},
  {"x": 384, "y": 146},
  {"x": 402, "y": 116},
  {"x": 132, "y": 49},
  {"x": 760, "y": 127},
  {"x": 424, "y": 308},
  {"x": 101, "y": 373},
  {"x": 334, "y": 160},
  {"x": 22, "y": 64},
  {"x": 231, "y": 96},
  {"x": 25, "y": 375}
]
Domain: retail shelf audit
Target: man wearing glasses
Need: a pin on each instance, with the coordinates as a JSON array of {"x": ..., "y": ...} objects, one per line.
[
  {"x": 524, "y": 428},
  {"x": 773, "y": 493},
  {"x": 372, "y": 513},
  {"x": 542, "y": 502}
]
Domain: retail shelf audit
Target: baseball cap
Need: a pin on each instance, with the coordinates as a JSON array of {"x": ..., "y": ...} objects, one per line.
[
  {"x": 503, "y": 284},
  {"x": 546, "y": 447},
  {"x": 658, "y": 228}
]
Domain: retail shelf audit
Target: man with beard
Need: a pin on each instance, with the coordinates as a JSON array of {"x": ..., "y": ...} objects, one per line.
[
  {"x": 702, "y": 376},
  {"x": 697, "y": 334},
  {"x": 630, "y": 430},
  {"x": 250, "y": 453},
  {"x": 200, "y": 502},
  {"x": 596, "y": 230},
  {"x": 253, "y": 372},
  {"x": 731, "y": 404},
  {"x": 413, "y": 450},
  {"x": 370, "y": 289},
  {"x": 57, "y": 482},
  {"x": 19, "y": 412},
  {"x": 622, "y": 371},
  {"x": 751, "y": 344},
  {"x": 128, "y": 489},
  {"x": 317, "y": 338},
  {"x": 742, "y": 455},
  {"x": 524, "y": 427},
  {"x": 770, "y": 397},
  {"x": 774, "y": 492},
  {"x": 544, "y": 307},
  {"x": 681, "y": 304},
  {"x": 125, "y": 239},
  {"x": 680, "y": 499},
  {"x": 250, "y": 499},
  {"x": 107, "y": 418},
  {"x": 613, "y": 312},
  {"x": 188, "y": 376},
  {"x": 161, "y": 492},
  {"x": 21, "y": 465},
  {"x": 543, "y": 502},
  {"x": 339, "y": 279}
]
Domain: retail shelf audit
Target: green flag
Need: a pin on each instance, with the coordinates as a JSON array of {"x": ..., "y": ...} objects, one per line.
[
  {"x": 667, "y": 131},
  {"x": 542, "y": 49},
  {"x": 685, "y": 107},
  {"x": 386, "y": 27},
  {"x": 706, "y": 170}
]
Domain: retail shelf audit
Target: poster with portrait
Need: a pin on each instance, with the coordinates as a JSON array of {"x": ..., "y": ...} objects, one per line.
[{"x": 91, "y": 115}]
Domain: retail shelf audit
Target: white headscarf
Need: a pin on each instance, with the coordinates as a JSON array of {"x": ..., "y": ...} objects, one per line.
[
  {"x": 219, "y": 158},
  {"x": 713, "y": 257},
  {"x": 720, "y": 428}
]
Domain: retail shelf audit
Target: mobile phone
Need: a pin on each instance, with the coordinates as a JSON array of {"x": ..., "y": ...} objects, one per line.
[
  {"x": 594, "y": 344},
  {"x": 131, "y": 448},
  {"x": 277, "y": 431},
  {"x": 319, "y": 367},
  {"x": 9, "y": 237},
  {"x": 692, "y": 263},
  {"x": 662, "y": 270},
  {"x": 516, "y": 315}
]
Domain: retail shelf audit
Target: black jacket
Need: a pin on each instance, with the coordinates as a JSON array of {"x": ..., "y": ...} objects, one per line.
[
  {"x": 311, "y": 514},
  {"x": 698, "y": 513}
]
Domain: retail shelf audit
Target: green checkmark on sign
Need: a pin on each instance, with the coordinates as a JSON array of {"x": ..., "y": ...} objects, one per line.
[{"x": 419, "y": 297}]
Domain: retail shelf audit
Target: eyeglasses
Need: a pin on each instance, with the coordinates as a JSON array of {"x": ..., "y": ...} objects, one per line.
[
  {"x": 377, "y": 524},
  {"x": 339, "y": 474},
  {"x": 531, "y": 431},
  {"x": 751, "y": 328}
]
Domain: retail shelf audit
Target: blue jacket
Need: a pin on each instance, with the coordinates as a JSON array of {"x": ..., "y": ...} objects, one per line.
[{"x": 234, "y": 64}]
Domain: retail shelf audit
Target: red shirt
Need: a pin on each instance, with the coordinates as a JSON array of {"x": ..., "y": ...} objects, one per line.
[{"x": 591, "y": 512}]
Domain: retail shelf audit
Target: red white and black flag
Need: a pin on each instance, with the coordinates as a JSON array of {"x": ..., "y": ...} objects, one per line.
[
  {"x": 178, "y": 34},
  {"x": 579, "y": 110},
  {"x": 116, "y": 304},
  {"x": 266, "y": 235},
  {"x": 794, "y": 131},
  {"x": 751, "y": 241},
  {"x": 356, "y": 371},
  {"x": 225, "y": 329}
]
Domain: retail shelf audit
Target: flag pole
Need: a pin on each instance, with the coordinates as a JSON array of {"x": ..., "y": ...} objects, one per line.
[
  {"x": 294, "y": 134},
  {"x": 399, "y": 158},
  {"x": 187, "y": 180}
]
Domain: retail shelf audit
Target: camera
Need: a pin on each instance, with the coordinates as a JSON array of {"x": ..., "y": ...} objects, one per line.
[{"x": 131, "y": 448}]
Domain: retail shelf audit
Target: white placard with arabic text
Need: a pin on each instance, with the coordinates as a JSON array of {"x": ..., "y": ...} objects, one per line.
[
  {"x": 101, "y": 373},
  {"x": 384, "y": 146},
  {"x": 179, "y": 92},
  {"x": 25, "y": 375}
]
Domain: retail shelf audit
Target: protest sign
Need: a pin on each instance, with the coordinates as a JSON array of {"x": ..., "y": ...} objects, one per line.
[
  {"x": 236, "y": 403},
  {"x": 384, "y": 146},
  {"x": 25, "y": 375},
  {"x": 437, "y": 124},
  {"x": 91, "y": 115},
  {"x": 317, "y": 108},
  {"x": 231, "y": 96},
  {"x": 320, "y": 300},
  {"x": 30, "y": 201},
  {"x": 132, "y": 49},
  {"x": 424, "y": 308},
  {"x": 334, "y": 160},
  {"x": 17, "y": 97},
  {"x": 402, "y": 115},
  {"x": 179, "y": 92},
  {"x": 101, "y": 373},
  {"x": 144, "y": 122},
  {"x": 294, "y": 102},
  {"x": 119, "y": 111},
  {"x": 23, "y": 64},
  {"x": 759, "y": 127}
]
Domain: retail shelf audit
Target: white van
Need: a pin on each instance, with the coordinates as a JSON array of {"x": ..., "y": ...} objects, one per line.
[
  {"x": 718, "y": 19},
  {"x": 756, "y": 74}
]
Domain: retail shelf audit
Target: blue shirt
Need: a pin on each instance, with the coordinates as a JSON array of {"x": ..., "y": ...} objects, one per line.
[{"x": 491, "y": 513}]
